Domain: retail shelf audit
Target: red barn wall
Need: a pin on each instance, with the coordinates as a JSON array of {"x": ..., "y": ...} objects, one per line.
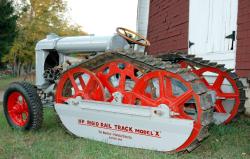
[
  {"x": 243, "y": 37},
  {"x": 168, "y": 26}
]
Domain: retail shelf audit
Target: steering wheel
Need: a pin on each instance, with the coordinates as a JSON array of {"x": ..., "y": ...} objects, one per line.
[{"x": 132, "y": 37}]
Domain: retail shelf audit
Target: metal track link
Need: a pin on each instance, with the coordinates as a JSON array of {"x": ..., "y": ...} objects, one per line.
[
  {"x": 194, "y": 145},
  {"x": 178, "y": 56},
  {"x": 149, "y": 63}
]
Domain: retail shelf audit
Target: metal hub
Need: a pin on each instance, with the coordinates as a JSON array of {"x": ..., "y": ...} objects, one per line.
[{"x": 18, "y": 109}]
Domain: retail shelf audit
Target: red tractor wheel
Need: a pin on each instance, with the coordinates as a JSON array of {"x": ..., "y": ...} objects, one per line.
[
  {"x": 22, "y": 106},
  {"x": 79, "y": 82},
  {"x": 18, "y": 110},
  {"x": 227, "y": 92},
  {"x": 162, "y": 87}
]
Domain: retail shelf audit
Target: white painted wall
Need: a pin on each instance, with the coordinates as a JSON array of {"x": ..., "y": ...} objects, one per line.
[{"x": 210, "y": 21}]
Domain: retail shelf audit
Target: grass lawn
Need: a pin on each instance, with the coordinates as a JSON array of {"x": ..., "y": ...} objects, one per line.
[
  {"x": 5, "y": 82},
  {"x": 230, "y": 141}
]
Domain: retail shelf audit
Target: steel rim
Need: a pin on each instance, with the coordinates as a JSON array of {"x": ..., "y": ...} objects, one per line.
[
  {"x": 79, "y": 82},
  {"x": 17, "y": 108}
]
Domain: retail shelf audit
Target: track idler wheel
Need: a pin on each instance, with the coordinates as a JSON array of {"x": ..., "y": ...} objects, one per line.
[
  {"x": 162, "y": 87},
  {"x": 227, "y": 92},
  {"x": 79, "y": 82}
]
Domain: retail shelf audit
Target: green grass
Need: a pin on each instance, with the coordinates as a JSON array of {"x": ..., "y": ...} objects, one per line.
[
  {"x": 6, "y": 81},
  {"x": 230, "y": 141}
]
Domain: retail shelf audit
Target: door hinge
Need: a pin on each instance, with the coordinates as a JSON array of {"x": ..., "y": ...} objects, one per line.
[
  {"x": 190, "y": 44},
  {"x": 233, "y": 37}
]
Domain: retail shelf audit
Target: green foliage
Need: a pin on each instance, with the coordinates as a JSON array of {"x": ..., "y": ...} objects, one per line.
[
  {"x": 38, "y": 19},
  {"x": 7, "y": 26}
]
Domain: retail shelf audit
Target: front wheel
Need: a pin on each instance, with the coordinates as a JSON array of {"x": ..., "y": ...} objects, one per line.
[{"x": 22, "y": 106}]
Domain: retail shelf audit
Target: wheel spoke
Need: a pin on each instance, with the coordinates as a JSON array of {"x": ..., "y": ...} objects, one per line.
[
  {"x": 218, "y": 82},
  {"x": 73, "y": 82},
  {"x": 82, "y": 82},
  {"x": 169, "y": 89},
  {"x": 146, "y": 101},
  {"x": 219, "y": 107},
  {"x": 122, "y": 82},
  {"x": 106, "y": 83},
  {"x": 205, "y": 82},
  {"x": 162, "y": 86},
  {"x": 182, "y": 99},
  {"x": 227, "y": 95},
  {"x": 91, "y": 85}
]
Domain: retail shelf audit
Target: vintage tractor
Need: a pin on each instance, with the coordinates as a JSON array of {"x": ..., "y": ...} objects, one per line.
[{"x": 123, "y": 97}]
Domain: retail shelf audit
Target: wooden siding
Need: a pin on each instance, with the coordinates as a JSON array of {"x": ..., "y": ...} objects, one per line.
[
  {"x": 168, "y": 26},
  {"x": 243, "y": 37}
]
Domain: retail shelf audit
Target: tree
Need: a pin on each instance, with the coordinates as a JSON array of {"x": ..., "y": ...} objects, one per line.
[
  {"x": 38, "y": 19},
  {"x": 7, "y": 27}
]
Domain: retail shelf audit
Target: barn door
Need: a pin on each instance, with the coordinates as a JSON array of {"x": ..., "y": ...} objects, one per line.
[{"x": 213, "y": 29}]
